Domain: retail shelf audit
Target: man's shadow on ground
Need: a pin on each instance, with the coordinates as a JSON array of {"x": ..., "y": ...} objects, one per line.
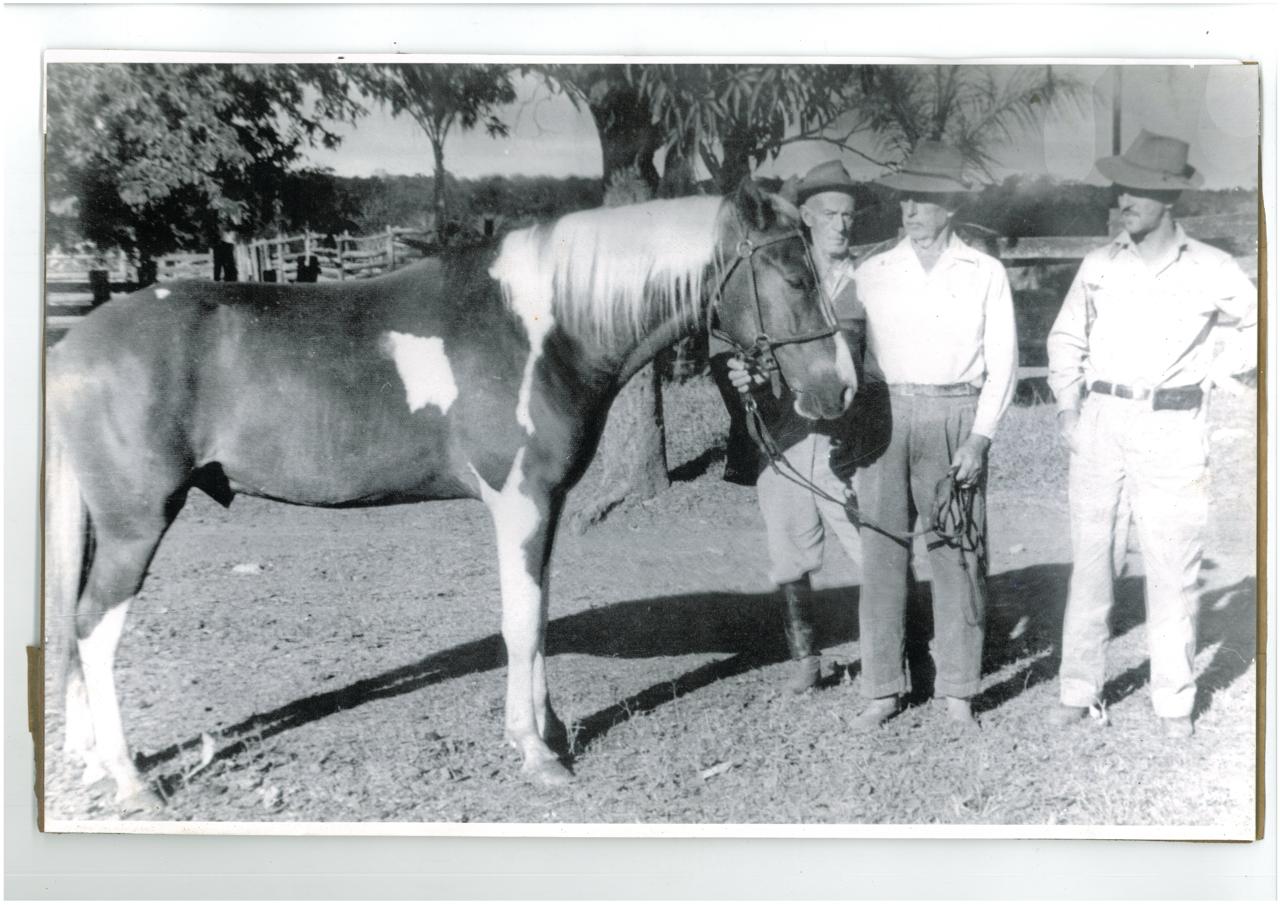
[{"x": 1024, "y": 622}]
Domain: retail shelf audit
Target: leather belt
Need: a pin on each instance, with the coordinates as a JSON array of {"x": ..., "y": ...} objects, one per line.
[
  {"x": 1182, "y": 398},
  {"x": 933, "y": 389}
]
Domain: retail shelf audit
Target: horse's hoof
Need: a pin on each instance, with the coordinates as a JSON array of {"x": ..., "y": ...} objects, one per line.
[
  {"x": 548, "y": 774},
  {"x": 144, "y": 801}
]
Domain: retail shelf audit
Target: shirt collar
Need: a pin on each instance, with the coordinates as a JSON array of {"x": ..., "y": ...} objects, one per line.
[
  {"x": 1124, "y": 242},
  {"x": 956, "y": 249}
]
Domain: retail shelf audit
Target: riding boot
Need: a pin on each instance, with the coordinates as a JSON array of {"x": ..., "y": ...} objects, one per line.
[{"x": 806, "y": 664}]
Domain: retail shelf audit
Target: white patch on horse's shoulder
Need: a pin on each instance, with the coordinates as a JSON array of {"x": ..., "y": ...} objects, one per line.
[
  {"x": 162, "y": 293},
  {"x": 424, "y": 370},
  {"x": 526, "y": 280},
  {"x": 515, "y": 519}
]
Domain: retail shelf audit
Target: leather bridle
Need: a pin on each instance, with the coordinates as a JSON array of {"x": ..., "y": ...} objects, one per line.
[{"x": 760, "y": 354}]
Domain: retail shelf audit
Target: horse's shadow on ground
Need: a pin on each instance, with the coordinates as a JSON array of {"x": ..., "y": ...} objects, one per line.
[{"x": 1024, "y": 623}]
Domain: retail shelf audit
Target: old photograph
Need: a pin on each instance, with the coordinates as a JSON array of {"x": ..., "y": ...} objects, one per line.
[{"x": 830, "y": 447}]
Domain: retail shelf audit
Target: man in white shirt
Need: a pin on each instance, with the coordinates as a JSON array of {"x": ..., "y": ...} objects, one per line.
[
  {"x": 1131, "y": 356},
  {"x": 942, "y": 353},
  {"x": 797, "y": 520}
]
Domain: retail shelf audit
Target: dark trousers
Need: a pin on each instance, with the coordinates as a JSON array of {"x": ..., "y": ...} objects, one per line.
[{"x": 924, "y": 434}]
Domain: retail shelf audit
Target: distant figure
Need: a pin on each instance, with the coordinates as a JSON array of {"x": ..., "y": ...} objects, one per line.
[
  {"x": 308, "y": 269},
  {"x": 224, "y": 257}
]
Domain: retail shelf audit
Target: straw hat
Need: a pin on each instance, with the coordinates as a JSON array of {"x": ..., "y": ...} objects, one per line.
[
  {"x": 1152, "y": 162},
  {"x": 932, "y": 168}
]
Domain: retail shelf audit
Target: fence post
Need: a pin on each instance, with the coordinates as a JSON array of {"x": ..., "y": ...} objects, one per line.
[
  {"x": 391, "y": 249},
  {"x": 279, "y": 259},
  {"x": 342, "y": 257}
]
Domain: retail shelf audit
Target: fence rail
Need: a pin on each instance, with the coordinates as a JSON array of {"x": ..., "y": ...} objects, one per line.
[{"x": 344, "y": 257}]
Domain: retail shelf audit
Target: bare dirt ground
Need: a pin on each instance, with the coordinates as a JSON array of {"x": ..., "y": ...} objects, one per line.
[{"x": 346, "y": 666}]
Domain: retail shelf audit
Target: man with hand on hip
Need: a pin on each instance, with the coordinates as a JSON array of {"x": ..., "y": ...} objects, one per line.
[
  {"x": 942, "y": 357},
  {"x": 796, "y": 518},
  {"x": 1131, "y": 357}
]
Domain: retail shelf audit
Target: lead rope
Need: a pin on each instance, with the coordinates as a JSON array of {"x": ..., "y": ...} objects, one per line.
[{"x": 952, "y": 518}]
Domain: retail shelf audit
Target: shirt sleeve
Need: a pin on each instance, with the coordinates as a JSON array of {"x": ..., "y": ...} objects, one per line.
[
  {"x": 1068, "y": 344},
  {"x": 1000, "y": 353},
  {"x": 1238, "y": 301}
]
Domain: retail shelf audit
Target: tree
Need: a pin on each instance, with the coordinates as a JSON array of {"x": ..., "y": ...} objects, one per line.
[
  {"x": 440, "y": 97},
  {"x": 975, "y": 109},
  {"x": 733, "y": 117},
  {"x": 158, "y": 156}
]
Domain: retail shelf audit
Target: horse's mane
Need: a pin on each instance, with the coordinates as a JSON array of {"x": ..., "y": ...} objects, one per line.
[{"x": 611, "y": 271}]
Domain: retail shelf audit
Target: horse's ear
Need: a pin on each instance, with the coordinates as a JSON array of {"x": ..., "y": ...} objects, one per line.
[
  {"x": 754, "y": 205},
  {"x": 786, "y": 210}
]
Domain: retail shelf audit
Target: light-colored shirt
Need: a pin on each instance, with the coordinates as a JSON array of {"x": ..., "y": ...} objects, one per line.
[
  {"x": 950, "y": 324},
  {"x": 1147, "y": 326}
]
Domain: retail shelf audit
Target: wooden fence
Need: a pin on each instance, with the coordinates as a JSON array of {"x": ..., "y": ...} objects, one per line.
[{"x": 344, "y": 257}]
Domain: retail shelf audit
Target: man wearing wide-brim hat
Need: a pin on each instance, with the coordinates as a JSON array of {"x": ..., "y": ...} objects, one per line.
[
  {"x": 942, "y": 355},
  {"x": 1131, "y": 359},
  {"x": 797, "y": 521}
]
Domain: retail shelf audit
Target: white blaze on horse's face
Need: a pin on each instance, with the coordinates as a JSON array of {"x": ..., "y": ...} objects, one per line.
[
  {"x": 845, "y": 369},
  {"x": 424, "y": 370},
  {"x": 527, "y": 285}
]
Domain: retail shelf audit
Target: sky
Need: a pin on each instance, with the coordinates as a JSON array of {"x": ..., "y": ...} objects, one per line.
[{"x": 1213, "y": 107}]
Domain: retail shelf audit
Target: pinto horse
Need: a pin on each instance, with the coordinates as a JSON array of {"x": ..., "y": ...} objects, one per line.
[{"x": 481, "y": 374}]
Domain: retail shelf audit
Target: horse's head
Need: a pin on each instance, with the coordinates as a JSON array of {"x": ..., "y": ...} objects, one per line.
[{"x": 770, "y": 305}]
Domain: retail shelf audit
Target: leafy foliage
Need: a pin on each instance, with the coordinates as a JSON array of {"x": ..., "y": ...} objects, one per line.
[
  {"x": 440, "y": 97},
  {"x": 973, "y": 108},
  {"x": 733, "y": 116},
  {"x": 159, "y": 156}
]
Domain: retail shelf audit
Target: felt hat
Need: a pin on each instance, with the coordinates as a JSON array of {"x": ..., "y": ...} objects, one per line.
[
  {"x": 830, "y": 176},
  {"x": 932, "y": 168},
  {"x": 1152, "y": 162}
]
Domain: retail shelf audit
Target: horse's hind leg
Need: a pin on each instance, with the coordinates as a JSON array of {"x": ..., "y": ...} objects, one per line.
[{"x": 123, "y": 552}]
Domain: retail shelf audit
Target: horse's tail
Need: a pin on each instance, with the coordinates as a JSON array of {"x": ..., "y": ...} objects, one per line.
[{"x": 66, "y": 557}]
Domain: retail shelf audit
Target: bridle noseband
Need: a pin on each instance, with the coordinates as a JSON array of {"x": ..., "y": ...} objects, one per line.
[{"x": 759, "y": 355}]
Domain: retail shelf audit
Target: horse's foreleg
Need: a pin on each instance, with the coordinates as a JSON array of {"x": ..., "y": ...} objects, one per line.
[
  {"x": 550, "y": 726},
  {"x": 522, "y": 521}
]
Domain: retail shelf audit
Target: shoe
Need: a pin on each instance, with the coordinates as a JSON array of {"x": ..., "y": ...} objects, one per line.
[
  {"x": 877, "y": 713},
  {"x": 960, "y": 712},
  {"x": 1063, "y": 715},
  {"x": 1178, "y": 727},
  {"x": 806, "y": 664}
]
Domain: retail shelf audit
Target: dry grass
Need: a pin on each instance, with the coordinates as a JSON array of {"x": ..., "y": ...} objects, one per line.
[{"x": 359, "y": 677}]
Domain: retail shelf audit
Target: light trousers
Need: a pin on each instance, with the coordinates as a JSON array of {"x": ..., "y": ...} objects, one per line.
[
  {"x": 797, "y": 520},
  {"x": 1160, "y": 459}
]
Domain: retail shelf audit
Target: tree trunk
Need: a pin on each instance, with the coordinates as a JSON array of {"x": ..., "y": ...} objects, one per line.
[
  {"x": 438, "y": 199},
  {"x": 628, "y": 137},
  {"x": 632, "y": 457},
  {"x": 736, "y": 163}
]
